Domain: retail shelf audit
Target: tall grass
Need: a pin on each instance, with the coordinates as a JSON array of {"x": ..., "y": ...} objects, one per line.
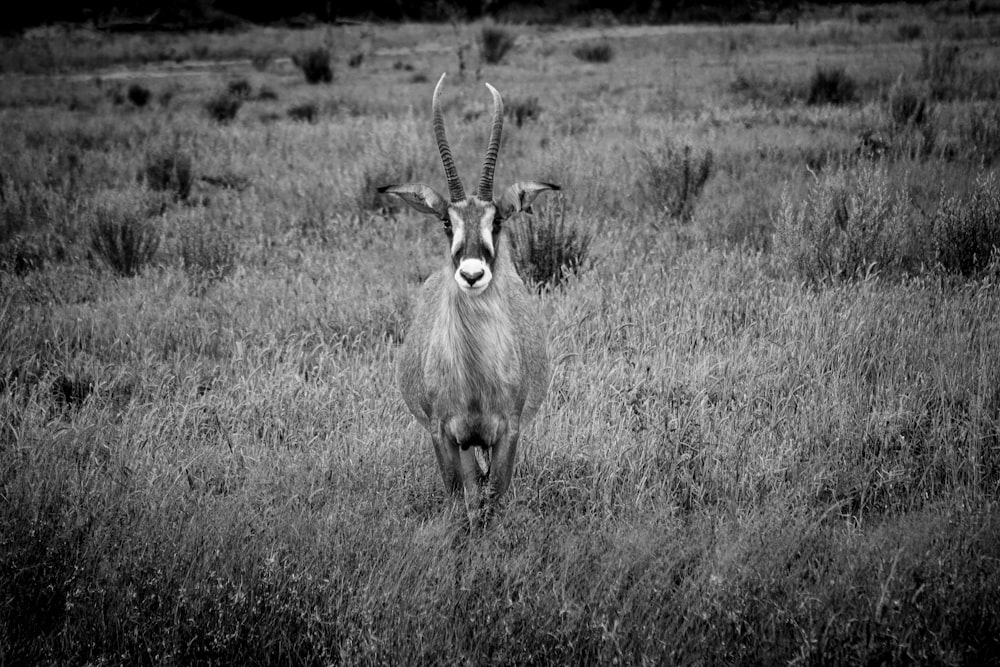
[{"x": 748, "y": 455}]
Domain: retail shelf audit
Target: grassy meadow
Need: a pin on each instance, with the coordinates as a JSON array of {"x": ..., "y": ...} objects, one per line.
[{"x": 772, "y": 283}]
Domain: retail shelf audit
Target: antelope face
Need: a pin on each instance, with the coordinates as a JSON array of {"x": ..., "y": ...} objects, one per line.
[
  {"x": 471, "y": 223},
  {"x": 474, "y": 229}
]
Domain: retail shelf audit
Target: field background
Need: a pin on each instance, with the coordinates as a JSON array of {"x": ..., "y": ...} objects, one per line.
[{"x": 773, "y": 428}]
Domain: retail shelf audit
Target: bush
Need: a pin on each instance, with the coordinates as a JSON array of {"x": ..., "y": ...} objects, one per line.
[
  {"x": 966, "y": 234},
  {"x": 848, "y": 226},
  {"x": 941, "y": 69},
  {"x": 239, "y": 88},
  {"x": 546, "y": 248},
  {"x": 494, "y": 44},
  {"x": 597, "y": 52},
  {"x": 124, "y": 238},
  {"x": 674, "y": 178},
  {"x": 169, "y": 171},
  {"x": 524, "y": 110},
  {"x": 207, "y": 252},
  {"x": 138, "y": 95},
  {"x": 266, "y": 94},
  {"x": 907, "y": 106},
  {"x": 315, "y": 65},
  {"x": 223, "y": 107},
  {"x": 907, "y": 32},
  {"x": 306, "y": 112},
  {"x": 831, "y": 85}
]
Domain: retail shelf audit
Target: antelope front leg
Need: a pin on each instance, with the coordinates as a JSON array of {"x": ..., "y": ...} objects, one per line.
[
  {"x": 502, "y": 465},
  {"x": 447, "y": 453},
  {"x": 474, "y": 497}
]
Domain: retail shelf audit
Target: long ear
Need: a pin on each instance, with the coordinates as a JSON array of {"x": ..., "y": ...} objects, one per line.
[
  {"x": 421, "y": 197},
  {"x": 519, "y": 196}
]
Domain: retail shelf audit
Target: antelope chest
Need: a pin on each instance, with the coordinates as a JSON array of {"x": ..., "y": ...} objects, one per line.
[{"x": 473, "y": 365}]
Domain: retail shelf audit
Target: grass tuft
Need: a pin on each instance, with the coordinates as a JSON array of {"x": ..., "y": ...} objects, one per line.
[
  {"x": 546, "y": 247},
  {"x": 124, "y": 236},
  {"x": 673, "y": 178}
]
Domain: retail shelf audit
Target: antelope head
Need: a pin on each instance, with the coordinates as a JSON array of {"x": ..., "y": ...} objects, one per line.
[{"x": 472, "y": 224}]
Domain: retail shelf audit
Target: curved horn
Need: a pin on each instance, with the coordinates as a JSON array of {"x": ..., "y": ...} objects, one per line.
[
  {"x": 490, "y": 162},
  {"x": 454, "y": 185}
]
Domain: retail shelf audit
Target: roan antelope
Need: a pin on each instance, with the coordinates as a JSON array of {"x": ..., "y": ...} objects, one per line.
[{"x": 473, "y": 369}]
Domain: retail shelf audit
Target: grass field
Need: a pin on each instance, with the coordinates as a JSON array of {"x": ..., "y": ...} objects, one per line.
[{"x": 772, "y": 433}]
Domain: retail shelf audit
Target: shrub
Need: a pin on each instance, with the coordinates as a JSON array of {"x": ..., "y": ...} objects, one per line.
[
  {"x": 20, "y": 255},
  {"x": 266, "y": 94},
  {"x": 524, "y": 110},
  {"x": 494, "y": 44},
  {"x": 223, "y": 107},
  {"x": 138, "y": 95},
  {"x": 907, "y": 32},
  {"x": 831, "y": 85},
  {"x": 124, "y": 238},
  {"x": 315, "y": 65},
  {"x": 848, "y": 226},
  {"x": 674, "y": 178},
  {"x": 940, "y": 67},
  {"x": 546, "y": 248},
  {"x": 907, "y": 106},
  {"x": 356, "y": 59},
  {"x": 304, "y": 112},
  {"x": 208, "y": 254},
  {"x": 239, "y": 88},
  {"x": 981, "y": 131},
  {"x": 169, "y": 171},
  {"x": 596, "y": 52},
  {"x": 966, "y": 234}
]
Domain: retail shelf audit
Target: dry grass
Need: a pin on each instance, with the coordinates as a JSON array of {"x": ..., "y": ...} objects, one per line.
[{"x": 207, "y": 463}]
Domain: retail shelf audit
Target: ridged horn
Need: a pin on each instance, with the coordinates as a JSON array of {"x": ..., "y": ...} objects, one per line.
[
  {"x": 490, "y": 162},
  {"x": 454, "y": 184}
]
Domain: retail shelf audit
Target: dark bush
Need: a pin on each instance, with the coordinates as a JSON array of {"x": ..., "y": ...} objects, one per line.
[
  {"x": 356, "y": 59},
  {"x": 306, "y": 112},
  {"x": 907, "y": 32},
  {"x": 266, "y": 94},
  {"x": 598, "y": 52},
  {"x": 138, "y": 95},
  {"x": 674, "y": 178},
  {"x": 966, "y": 234},
  {"x": 494, "y": 44},
  {"x": 239, "y": 88},
  {"x": 907, "y": 106},
  {"x": 124, "y": 238},
  {"x": 524, "y": 110},
  {"x": 831, "y": 85},
  {"x": 546, "y": 248},
  {"x": 223, "y": 107},
  {"x": 315, "y": 65},
  {"x": 169, "y": 171}
]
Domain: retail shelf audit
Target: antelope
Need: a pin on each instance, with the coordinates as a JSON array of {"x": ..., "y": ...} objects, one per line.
[{"x": 473, "y": 369}]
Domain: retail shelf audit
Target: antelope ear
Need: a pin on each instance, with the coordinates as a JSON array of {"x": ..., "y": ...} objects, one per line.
[
  {"x": 421, "y": 197},
  {"x": 519, "y": 196}
]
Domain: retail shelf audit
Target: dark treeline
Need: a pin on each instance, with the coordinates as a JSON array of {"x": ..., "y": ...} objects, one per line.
[{"x": 221, "y": 14}]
